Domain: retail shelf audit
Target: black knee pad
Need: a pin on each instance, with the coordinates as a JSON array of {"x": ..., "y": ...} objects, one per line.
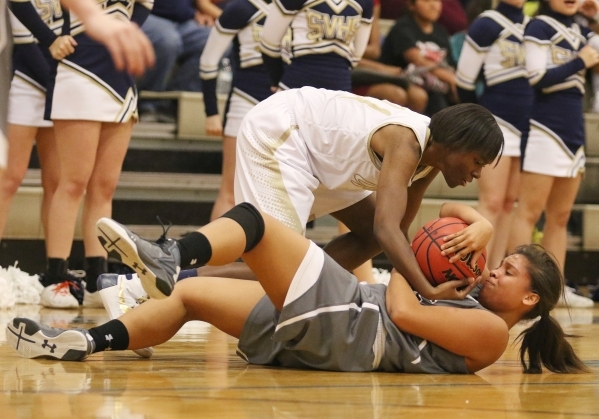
[{"x": 250, "y": 219}]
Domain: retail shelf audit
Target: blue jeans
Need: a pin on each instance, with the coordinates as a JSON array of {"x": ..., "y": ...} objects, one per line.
[{"x": 174, "y": 43}]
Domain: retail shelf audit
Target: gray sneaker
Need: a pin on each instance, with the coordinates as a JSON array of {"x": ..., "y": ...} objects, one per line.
[
  {"x": 157, "y": 264},
  {"x": 33, "y": 340}
]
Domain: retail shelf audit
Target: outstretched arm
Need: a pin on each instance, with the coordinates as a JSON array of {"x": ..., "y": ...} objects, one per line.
[
  {"x": 478, "y": 335},
  {"x": 396, "y": 207}
]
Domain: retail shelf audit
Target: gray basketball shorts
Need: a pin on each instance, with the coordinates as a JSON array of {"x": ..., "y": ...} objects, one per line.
[{"x": 329, "y": 321}]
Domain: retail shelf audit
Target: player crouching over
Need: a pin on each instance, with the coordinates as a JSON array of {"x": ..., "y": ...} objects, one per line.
[{"x": 306, "y": 311}]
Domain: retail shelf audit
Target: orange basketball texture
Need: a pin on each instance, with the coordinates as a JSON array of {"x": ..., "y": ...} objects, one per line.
[{"x": 436, "y": 267}]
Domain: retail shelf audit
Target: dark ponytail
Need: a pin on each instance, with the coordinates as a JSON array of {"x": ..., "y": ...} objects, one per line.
[{"x": 544, "y": 343}]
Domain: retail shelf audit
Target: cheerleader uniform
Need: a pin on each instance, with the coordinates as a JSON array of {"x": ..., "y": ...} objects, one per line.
[
  {"x": 314, "y": 43},
  {"x": 86, "y": 84},
  {"x": 555, "y": 145},
  {"x": 240, "y": 22},
  {"x": 495, "y": 44}
]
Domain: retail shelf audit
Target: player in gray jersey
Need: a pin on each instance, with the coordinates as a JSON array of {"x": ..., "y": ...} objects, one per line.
[{"x": 306, "y": 311}]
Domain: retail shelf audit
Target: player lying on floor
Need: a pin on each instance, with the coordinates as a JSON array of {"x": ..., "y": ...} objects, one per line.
[{"x": 308, "y": 312}]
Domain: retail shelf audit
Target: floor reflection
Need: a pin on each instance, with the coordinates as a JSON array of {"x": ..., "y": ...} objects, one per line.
[{"x": 198, "y": 375}]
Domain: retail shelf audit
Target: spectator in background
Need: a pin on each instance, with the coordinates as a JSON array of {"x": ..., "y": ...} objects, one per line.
[
  {"x": 375, "y": 79},
  {"x": 93, "y": 106},
  {"x": 418, "y": 44},
  {"x": 453, "y": 18},
  {"x": 494, "y": 46},
  {"x": 178, "y": 30},
  {"x": 241, "y": 23},
  {"x": 553, "y": 158}
]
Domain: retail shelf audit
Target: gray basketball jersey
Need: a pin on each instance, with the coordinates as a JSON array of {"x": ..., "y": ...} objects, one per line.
[
  {"x": 5, "y": 76},
  {"x": 408, "y": 353}
]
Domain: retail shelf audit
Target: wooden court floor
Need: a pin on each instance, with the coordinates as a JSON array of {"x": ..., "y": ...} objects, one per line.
[{"x": 198, "y": 375}]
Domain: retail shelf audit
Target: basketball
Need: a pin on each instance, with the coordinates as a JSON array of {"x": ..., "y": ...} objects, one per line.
[{"x": 435, "y": 266}]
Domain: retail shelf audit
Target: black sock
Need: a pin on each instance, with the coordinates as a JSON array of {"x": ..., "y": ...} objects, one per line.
[
  {"x": 56, "y": 271},
  {"x": 111, "y": 336},
  {"x": 95, "y": 266},
  {"x": 195, "y": 249}
]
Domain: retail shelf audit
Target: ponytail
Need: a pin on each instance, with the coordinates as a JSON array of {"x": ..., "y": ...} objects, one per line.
[{"x": 544, "y": 344}]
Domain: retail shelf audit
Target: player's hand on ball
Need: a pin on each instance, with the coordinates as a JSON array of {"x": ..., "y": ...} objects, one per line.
[
  {"x": 62, "y": 47},
  {"x": 589, "y": 55},
  {"x": 456, "y": 290},
  {"x": 473, "y": 238}
]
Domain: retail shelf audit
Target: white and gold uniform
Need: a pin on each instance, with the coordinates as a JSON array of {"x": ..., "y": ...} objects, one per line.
[{"x": 305, "y": 153}]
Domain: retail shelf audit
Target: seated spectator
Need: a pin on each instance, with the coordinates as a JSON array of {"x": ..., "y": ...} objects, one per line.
[
  {"x": 375, "y": 79},
  {"x": 421, "y": 46},
  {"x": 453, "y": 17},
  {"x": 178, "y": 30}
]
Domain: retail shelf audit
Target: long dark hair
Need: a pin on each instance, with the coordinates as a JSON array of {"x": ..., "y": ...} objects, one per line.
[
  {"x": 468, "y": 127},
  {"x": 544, "y": 343}
]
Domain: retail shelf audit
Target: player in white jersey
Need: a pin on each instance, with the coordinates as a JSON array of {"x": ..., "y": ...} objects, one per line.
[{"x": 308, "y": 152}]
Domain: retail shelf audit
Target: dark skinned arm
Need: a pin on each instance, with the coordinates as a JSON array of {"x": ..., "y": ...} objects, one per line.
[{"x": 401, "y": 154}]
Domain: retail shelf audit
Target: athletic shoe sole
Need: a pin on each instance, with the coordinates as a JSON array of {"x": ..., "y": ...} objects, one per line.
[
  {"x": 117, "y": 239},
  {"x": 31, "y": 340}
]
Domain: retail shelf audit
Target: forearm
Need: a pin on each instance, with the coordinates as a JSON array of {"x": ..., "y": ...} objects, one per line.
[
  {"x": 461, "y": 211},
  {"x": 215, "y": 47},
  {"x": 141, "y": 11},
  {"x": 399, "y": 251},
  {"x": 400, "y": 300},
  {"x": 209, "y": 8},
  {"x": 26, "y": 13},
  {"x": 539, "y": 75}
]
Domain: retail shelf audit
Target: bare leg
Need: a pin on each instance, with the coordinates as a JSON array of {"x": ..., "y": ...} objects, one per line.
[
  {"x": 390, "y": 92},
  {"x": 237, "y": 270},
  {"x": 226, "y": 199},
  {"x": 20, "y": 142},
  {"x": 364, "y": 271},
  {"x": 530, "y": 207},
  {"x": 222, "y": 302},
  {"x": 77, "y": 144},
  {"x": 352, "y": 249},
  {"x": 417, "y": 98},
  {"x": 557, "y": 214},
  {"x": 111, "y": 150},
  {"x": 48, "y": 155},
  {"x": 492, "y": 194}
]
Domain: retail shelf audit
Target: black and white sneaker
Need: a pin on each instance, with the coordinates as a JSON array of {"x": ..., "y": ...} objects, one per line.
[
  {"x": 156, "y": 264},
  {"x": 33, "y": 340}
]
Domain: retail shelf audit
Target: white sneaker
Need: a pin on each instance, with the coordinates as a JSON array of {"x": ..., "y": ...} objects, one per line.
[
  {"x": 92, "y": 299},
  {"x": 570, "y": 299},
  {"x": 121, "y": 293},
  {"x": 59, "y": 296},
  {"x": 382, "y": 276},
  {"x": 34, "y": 340}
]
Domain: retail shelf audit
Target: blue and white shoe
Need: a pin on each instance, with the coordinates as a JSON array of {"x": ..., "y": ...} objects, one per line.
[
  {"x": 121, "y": 293},
  {"x": 34, "y": 340},
  {"x": 157, "y": 264}
]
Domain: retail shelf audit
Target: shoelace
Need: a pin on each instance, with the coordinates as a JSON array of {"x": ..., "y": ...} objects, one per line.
[
  {"x": 165, "y": 230},
  {"x": 63, "y": 287}
]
